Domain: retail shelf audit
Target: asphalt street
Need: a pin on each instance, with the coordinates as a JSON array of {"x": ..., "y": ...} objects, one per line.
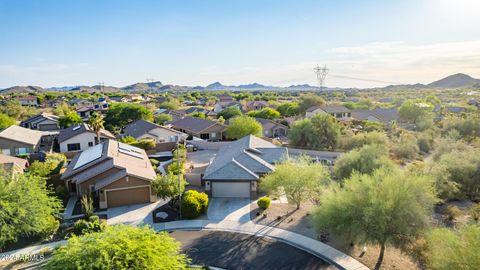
[{"x": 241, "y": 251}]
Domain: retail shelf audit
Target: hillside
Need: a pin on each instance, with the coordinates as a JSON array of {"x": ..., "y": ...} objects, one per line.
[{"x": 458, "y": 80}]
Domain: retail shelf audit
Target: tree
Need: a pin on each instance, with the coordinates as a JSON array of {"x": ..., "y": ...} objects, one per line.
[
  {"x": 70, "y": 119},
  {"x": 230, "y": 112},
  {"x": 121, "y": 114},
  {"x": 119, "y": 247},
  {"x": 289, "y": 109},
  {"x": 320, "y": 131},
  {"x": 368, "y": 138},
  {"x": 388, "y": 207},
  {"x": 162, "y": 118},
  {"x": 364, "y": 160},
  {"x": 62, "y": 109},
  {"x": 27, "y": 206},
  {"x": 299, "y": 179},
  {"x": 198, "y": 115},
  {"x": 167, "y": 187},
  {"x": 417, "y": 114},
  {"x": 6, "y": 121},
  {"x": 308, "y": 101},
  {"x": 453, "y": 249},
  {"x": 242, "y": 126},
  {"x": 406, "y": 147},
  {"x": 457, "y": 172},
  {"x": 267, "y": 113},
  {"x": 95, "y": 122}
]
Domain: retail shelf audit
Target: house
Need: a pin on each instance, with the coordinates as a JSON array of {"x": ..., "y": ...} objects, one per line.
[
  {"x": 200, "y": 128},
  {"x": 114, "y": 173},
  {"x": 272, "y": 129},
  {"x": 221, "y": 105},
  {"x": 85, "y": 112},
  {"x": 225, "y": 98},
  {"x": 196, "y": 109},
  {"x": 238, "y": 166},
  {"x": 30, "y": 101},
  {"x": 142, "y": 129},
  {"x": 16, "y": 140},
  {"x": 53, "y": 103},
  {"x": 78, "y": 102},
  {"x": 340, "y": 113},
  {"x": 79, "y": 138},
  {"x": 43, "y": 121},
  {"x": 177, "y": 114},
  {"x": 12, "y": 165},
  {"x": 255, "y": 105},
  {"x": 474, "y": 102},
  {"x": 382, "y": 115}
]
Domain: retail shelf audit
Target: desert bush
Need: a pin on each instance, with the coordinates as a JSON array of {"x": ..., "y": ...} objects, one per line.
[
  {"x": 264, "y": 202},
  {"x": 452, "y": 213},
  {"x": 194, "y": 204},
  {"x": 144, "y": 144},
  {"x": 475, "y": 212},
  {"x": 90, "y": 225}
]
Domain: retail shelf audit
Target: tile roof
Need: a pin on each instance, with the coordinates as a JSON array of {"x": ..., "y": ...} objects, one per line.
[
  {"x": 15, "y": 163},
  {"x": 141, "y": 127},
  {"x": 329, "y": 108},
  {"x": 269, "y": 124},
  {"x": 41, "y": 115},
  {"x": 112, "y": 157},
  {"x": 244, "y": 159},
  {"x": 20, "y": 134},
  {"x": 75, "y": 130},
  {"x": 194, "y": 124}
]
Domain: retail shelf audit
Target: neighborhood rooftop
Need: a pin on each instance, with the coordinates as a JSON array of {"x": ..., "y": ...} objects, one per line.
[
  {"x": 140, "y": 127},
  {"x": 244, "y": 159},
  {"x": 20, "y": 134},
  {"x": 75, "y": 130}
]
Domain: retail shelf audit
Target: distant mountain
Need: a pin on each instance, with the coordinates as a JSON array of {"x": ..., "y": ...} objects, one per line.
[
  {"x": 458, "y": 80},
  {"x": 252, "y": 86},
  {"x": 216, "y": 86},
  {"x": 22, "y": 89}
]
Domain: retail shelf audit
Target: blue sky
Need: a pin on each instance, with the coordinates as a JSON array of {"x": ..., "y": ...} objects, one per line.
[{"x": 56, "y": 43}]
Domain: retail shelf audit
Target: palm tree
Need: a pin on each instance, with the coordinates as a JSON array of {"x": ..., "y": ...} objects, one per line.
[{"x": 95, "y": 122}]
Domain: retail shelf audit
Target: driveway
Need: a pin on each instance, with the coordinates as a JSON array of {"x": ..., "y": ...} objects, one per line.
[
  {"x": 138, "y": 214},
  {"x": 242, "y": 251},
  {"x": 233, "y": 209}
]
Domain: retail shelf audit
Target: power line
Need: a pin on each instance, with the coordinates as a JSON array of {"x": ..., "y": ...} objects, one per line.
[{"x": 362, "y": 79}]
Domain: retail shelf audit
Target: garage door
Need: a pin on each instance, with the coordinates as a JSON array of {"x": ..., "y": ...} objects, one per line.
[
  {"x": 231, "y": 190},
  {"x": 128, "y": 196}
]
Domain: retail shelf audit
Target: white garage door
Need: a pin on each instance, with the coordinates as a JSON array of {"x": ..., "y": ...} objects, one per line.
[{"x": 231, "y": 190}]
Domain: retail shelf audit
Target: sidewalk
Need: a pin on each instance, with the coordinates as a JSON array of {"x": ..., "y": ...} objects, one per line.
[{"x": 317, "y": 248}]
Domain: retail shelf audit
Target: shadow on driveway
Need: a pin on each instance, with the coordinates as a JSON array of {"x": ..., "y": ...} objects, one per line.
[{"x": 241, "y": 251}]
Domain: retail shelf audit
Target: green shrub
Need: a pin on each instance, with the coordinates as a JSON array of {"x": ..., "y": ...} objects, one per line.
[
  {"x": 452, "y": 213},
  {"x": 264, "y": 202},
  {"x": 144, "y": 144},
  {"x": 194, "y": 204},
  {"x": 80, "y": 227},
  {"x": 90, "y": 225},
  {"x": 475, "y": 212}
]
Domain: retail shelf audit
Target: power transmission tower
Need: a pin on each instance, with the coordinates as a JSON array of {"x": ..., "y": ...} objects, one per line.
[
  {"x": 321, "y": 73},
  {"x": 101, "y": 84}
]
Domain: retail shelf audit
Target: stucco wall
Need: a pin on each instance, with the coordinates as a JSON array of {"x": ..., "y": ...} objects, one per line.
[{"x": 83, "y": 139}]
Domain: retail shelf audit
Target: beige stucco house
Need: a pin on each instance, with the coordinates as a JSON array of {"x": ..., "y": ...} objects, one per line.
[{"x": 116, "y": 174}]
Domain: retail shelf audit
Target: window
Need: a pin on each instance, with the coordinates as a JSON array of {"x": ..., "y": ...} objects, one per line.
[
  {"x": 73, "y": 147},
  {"x": 5, "y": 151},
  {"x": 90, "y": 144},
  {"x": 213, "y": 135},
  {"x": 22, "y": 151}
]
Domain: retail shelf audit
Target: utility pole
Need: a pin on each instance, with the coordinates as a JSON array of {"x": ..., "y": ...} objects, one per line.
[
  {"x": 179, "y": 178},
  {"x": 321, "y": 73}
]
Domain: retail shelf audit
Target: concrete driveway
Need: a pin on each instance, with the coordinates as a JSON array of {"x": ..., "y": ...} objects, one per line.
[
  {"x": 138, "y": 214},
  {"x": 233, "y": 209}
]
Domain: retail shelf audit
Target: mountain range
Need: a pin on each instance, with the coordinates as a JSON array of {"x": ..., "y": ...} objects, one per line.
[{"x": 458, "y": 80}]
